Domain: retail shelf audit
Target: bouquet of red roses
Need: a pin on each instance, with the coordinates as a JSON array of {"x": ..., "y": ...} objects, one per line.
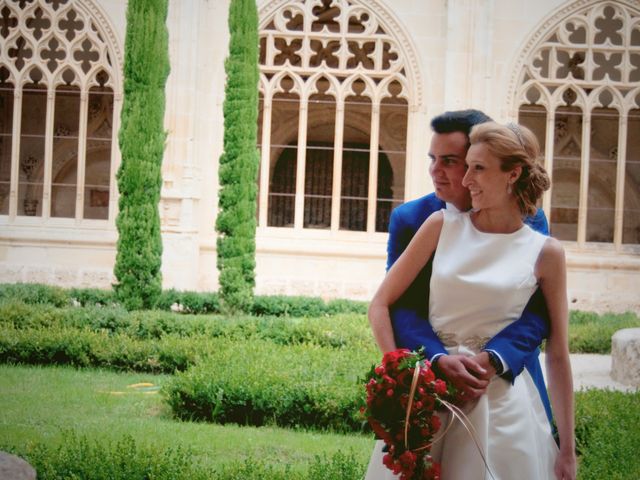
[{"x": 403, "y": 395}]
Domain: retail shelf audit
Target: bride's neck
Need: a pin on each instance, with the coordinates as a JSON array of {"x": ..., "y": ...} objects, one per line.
[{"x": 497, "y": 220}]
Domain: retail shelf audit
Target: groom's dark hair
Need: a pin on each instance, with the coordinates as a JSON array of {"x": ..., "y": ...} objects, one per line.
[{"x": 459, "y": 121}]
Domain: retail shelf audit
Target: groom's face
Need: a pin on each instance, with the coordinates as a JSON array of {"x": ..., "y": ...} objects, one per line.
[{"x": 448, "y": 167}]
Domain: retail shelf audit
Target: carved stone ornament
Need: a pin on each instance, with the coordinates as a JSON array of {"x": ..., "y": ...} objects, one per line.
[
  {"x": 344, "y": 39},
  {"x": 53, "y": 44},
  {"x": 585, "y": 44},
  {"x": 55, "y": 36},
  {"x": 30, "y": 206}
]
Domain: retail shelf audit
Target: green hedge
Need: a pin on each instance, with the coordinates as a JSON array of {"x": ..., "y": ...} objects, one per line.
[
  {"x": 35, "y": 294},
  {"x": 79, "y": 458},
  {"x": 290, "y": 306},
  {"x": 152, "y": 341},
  {"x": 608, "y": 434},
  {"x": 85, "y": 348},
  {"x": 180, "y": 301},
  {"x": 348, "y": 331},
  {"x": 260, "y": 383},
  {"x": 591, "y": 333},
  {"x": 339, "y": 466}
]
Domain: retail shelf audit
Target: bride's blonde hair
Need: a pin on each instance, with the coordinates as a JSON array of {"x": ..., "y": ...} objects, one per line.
[{"x": 515, "y": 145}]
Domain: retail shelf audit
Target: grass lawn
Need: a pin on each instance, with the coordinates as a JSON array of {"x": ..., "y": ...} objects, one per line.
[{"x": 41, "y": 403}]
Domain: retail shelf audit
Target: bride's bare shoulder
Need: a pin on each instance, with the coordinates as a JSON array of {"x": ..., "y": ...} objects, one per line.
[{"x": 552, "y": 258}]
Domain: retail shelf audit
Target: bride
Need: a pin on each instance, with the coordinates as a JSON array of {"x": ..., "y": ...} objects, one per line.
[{"x": 478, "y": 291}]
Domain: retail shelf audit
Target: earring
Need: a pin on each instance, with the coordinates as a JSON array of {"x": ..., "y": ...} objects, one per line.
[{"x": 509, "y": 189}]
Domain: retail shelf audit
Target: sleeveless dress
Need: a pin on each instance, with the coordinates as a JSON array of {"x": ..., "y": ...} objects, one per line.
[{"x": 480, "y": 283}]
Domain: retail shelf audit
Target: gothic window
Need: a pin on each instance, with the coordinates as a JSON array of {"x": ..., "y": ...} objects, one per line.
[
  {"x": 56, "y": 111},
  {"x": 334, "y": 110},
  {"x": 579, "y": 92}
]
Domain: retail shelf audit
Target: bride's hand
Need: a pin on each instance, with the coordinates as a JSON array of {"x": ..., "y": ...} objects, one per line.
[
  {"x": 565, "y": 467},
  {"x": 464, "y": 373}
]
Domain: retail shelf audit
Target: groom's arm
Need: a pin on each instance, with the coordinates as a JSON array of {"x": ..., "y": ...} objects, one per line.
[
  {"x": 411, "y": 326},
  {"x": 517, "y": 342}
]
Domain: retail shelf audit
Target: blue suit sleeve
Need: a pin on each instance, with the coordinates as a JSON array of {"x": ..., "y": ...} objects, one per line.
[
  {"x": 411, "y": 326},
  {"x": 538, "y": 222},
  {"x": 399, "y": 237},
  {"x": 517, "y": 342},
  {"x": 521, "y": 339}
]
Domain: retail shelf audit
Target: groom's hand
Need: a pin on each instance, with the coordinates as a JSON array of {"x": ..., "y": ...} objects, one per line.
[
  {"x": 466, "y": 373},
  {"x": 482, "y": 359}
]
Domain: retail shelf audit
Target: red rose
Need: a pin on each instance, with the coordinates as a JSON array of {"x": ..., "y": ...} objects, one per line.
[
  {"x": 432, "y": 473},
  {"x": 387, "y": 399},
  {"x": 429, "y": 403},
  {"x": 440, "y": 387},
  {"x": 435, "y": 423},
  {"x": 389, "y": 380},
  {"x": 429, "y": 376}
]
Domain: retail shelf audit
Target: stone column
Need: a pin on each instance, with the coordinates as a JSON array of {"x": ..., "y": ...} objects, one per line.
[
  {"x": 625, "y": 356},
  {"x": 15, "y": 468}
]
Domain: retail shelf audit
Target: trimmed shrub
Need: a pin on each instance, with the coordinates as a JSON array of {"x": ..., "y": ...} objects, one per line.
[
  {"x": 340, "y": 331},
  {"x": 338, "y": 467},
  {"x": 111, "y": 337},
  {"x": 189, "y": 302},
  {"x": 34, "y": 294},
  {"x": 93, "y": 296},
  {"x": 260, "y": 383},
  {"x": 607, "y": 434},
  {"x": 84, "y": 348},
  {"x": 141, "y": 139},
  {"x": 181, "y": 301},
  {"x": 341, "y": 305},
  {"x": 296, "y": 306},
  {"x": 591, "y": 333},
  {"x": 282, "y": 306},
  {"x": 238, "y": 166},
  {"x": 79, "y": 458}
]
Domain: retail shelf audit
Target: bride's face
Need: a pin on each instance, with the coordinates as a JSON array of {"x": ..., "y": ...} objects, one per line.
[{"x": 487, "y": 183}]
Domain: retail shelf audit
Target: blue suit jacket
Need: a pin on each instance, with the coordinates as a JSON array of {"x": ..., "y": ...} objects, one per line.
[{"x": 517, "y": 344}]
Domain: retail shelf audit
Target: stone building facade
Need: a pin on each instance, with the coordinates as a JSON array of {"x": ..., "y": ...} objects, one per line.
[{"x": 347, "y": 91}]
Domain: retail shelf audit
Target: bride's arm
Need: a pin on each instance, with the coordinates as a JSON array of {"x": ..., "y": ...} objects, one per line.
[
  {"x": 552, "y": 276},
  {"x": 399, "y": 277}
]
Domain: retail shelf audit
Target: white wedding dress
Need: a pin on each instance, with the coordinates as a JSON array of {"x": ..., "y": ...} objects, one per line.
[{"x": 480, "y": 283}]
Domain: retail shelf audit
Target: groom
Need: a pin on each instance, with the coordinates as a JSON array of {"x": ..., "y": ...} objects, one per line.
[{"x": 513, "y": 348}]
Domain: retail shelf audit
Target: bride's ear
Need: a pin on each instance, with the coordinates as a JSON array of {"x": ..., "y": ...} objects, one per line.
[{"x": 514, "y": 174}]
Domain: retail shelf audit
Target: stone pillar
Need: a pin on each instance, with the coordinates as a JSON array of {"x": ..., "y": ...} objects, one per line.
[
  {"x": 469, "y": 58},
  {"x": 625, "y": 356},
  {"x": 15, "y": 468},
  {"x": 198, "y": 40}
]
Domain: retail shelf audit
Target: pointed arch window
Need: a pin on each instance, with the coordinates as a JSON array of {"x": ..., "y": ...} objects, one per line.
[
  {"x": 579, "y": 92},
  {"x": 56, "y": 112},
  {"x": 333, "y": 118}
]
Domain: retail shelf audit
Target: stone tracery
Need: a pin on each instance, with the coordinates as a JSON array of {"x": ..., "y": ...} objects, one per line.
[
  {"x": 54, "y": 61},
  {"x": 576, "y": 91},
  {"x": 331, "y": 54}
]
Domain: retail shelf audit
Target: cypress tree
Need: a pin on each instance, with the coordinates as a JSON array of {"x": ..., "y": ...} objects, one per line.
[
  {"x": 141, "y": 139},
  {"x": 238, "y": 168}
]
